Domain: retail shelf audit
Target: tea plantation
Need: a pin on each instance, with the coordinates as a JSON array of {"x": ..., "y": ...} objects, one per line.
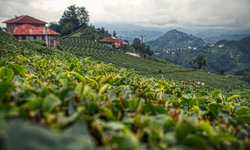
[
  {"x": 55, "y": 100},
  {"x": 145, "y": 67}
]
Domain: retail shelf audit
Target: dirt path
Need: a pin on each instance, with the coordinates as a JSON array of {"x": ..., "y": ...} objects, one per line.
[{"x": 133, "y": 54}]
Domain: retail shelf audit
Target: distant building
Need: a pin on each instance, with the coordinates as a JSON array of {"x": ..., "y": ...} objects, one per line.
[
  {"x": 29, "y": 28},
  {"x": 189, "y": 47},
  {"x": 211, "y": 45},
  {"x": 194, "y": 48},
  {"x": 220, "y": 46},
  {"x": 109, "y": 41}
]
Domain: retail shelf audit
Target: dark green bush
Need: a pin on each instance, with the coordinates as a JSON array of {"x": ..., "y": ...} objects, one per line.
[{"x": 39, "y": 42}]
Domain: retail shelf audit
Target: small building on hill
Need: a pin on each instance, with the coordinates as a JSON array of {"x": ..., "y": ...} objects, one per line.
[
  {"x": 29, "y": 28},
  {"x": 110, "y": 41}
]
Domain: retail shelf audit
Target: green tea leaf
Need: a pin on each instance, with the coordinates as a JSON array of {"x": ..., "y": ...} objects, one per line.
[
  {"x": 80, "y": 77},
  {"x": 50, "y": 102},
  {"x": 243, "y": 111},
  {"x": 215, "y": 93},
  {"x": 34, "y": 104},
  {"x": 18, "y": 69},
  {"x": 30, "y": 69},
  {"x": 4, "y": 90},
  {"x": 105, "y": 79},
  {"x": 206, "y": 127},
  {"x": 8, "y": 73},
  {"x": 221, "y": 137},
  {"x": 232, "y": 97},
  {"x": 183, "y": 129}
]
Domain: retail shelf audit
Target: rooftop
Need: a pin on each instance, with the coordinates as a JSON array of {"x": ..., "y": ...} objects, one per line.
[
  {"x": 32, "y": 30},
  {"x": 25, "y": 19}
]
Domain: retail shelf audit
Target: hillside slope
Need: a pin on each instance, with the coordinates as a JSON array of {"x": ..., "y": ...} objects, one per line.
[
  {"x": 88, "y": 32},
  {"x": 58, "y": 101},
  {"x": 174, "y": 39},
  {"x": 230, "y": 55},
  {"x": 145, "y": 67}
]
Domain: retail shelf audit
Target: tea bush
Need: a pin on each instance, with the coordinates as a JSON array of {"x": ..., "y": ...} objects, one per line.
[{"x": 55, "y": 100}]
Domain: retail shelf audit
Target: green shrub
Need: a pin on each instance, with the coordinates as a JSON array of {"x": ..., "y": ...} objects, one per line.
[{"x": 39, "y": 42}]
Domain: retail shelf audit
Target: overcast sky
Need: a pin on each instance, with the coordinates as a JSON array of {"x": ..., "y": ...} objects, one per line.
[{"x": 162, "y": 13}]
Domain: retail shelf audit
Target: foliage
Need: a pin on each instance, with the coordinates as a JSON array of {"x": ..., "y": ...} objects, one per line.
[
  {"x": 198, "y": 62},
  {"x": 145, "y": 67},
  {"x": 73, "y": 18},
  {"x": 93, "y": 105},
  {"x": 114, "y": 34},
  {"x": 82, "y": 15},
  {"x": 136, "y": 43},
  {"x": 222, "y": 71},
  {"x": 39, "y": 42},
  {"x": 55, "y": 27},
  {"x": 233, "y": 56}
]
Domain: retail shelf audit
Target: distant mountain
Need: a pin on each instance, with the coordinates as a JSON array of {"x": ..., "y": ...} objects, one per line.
[
  {"x": 214, "y": 39},
  {"x": 232, "y": 55},
  {"x": 175, "y": 39},
  {"x": 131, "y": 35}
]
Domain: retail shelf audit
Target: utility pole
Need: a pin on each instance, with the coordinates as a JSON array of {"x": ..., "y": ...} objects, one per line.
[
  {"x": 142, "y": 43},
  {"x": 46, "y": 34}
]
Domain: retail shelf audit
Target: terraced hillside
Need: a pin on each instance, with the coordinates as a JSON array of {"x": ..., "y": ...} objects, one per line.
[
  {"x": 58, "y": 101},
  {"x": 149, "y": 68}
]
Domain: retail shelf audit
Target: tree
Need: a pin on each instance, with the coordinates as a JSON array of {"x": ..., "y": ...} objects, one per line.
[
  {"x": 136, "y": 43},
  {"x": 114, "y": 34},
  {"x": 106, "y": 32},
  {"x": 68, "y": 28},
  {"x": 222, "y": 71},
  {"x": 54, "y": 26},
  {"x": 167, "y": 59},
  {"x": 82, "y": 15},
  {"x": 76, "y": 16},
  {"x": 102, "y": 30},
  {"x": 69, "y": 18},
  {"x": 201, "y": 60}
]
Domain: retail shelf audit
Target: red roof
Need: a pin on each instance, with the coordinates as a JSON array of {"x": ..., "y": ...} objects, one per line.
[
  {"x": 113, "y": 39},
  {"x": 25, "y": 19},
  {"x": 32, "y": 30},
  {"x": 110, "y": 39},
  {"x": 124, "y": 43}
]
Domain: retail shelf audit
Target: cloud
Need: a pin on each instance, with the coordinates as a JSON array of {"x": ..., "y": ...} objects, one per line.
[
  {"x": 8, "y": 10},
  {"x": 192, "y": 13},
  {"x": 221, "y": 13}
]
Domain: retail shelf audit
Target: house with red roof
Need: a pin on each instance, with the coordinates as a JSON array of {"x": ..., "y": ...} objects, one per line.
[
  {"x": 28, "y": 28},
  {"x": 110, "y": 41}
]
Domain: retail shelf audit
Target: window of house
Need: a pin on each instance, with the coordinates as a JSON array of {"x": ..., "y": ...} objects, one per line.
[
  {"x": 37, "y": 25},
  {"x": 34, "y": 37},
  {"x": 23, "y": 37},
  {"x": 38, "y": 37},
  {"x": 51, "y": 43}
]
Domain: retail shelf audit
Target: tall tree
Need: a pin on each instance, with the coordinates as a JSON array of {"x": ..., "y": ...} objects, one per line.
[
  {"x": 136, "y": 43},
  {"x": 222, "y": 71},
  {"x": 201, "y": 60},
  {"x": 69, "y": 18},
  {"x": 102, "y": 30},
  {"x": 114, "y": 34},
  {"x": 82, "y": 15},
  {"x": 54, "y": 26}
]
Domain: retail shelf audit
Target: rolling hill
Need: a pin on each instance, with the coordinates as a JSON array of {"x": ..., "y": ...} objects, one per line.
[
  {"x": 230, "y": 55},
  {"x": 145, "y": 67},
  {"x": 174, "y": 39}
]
